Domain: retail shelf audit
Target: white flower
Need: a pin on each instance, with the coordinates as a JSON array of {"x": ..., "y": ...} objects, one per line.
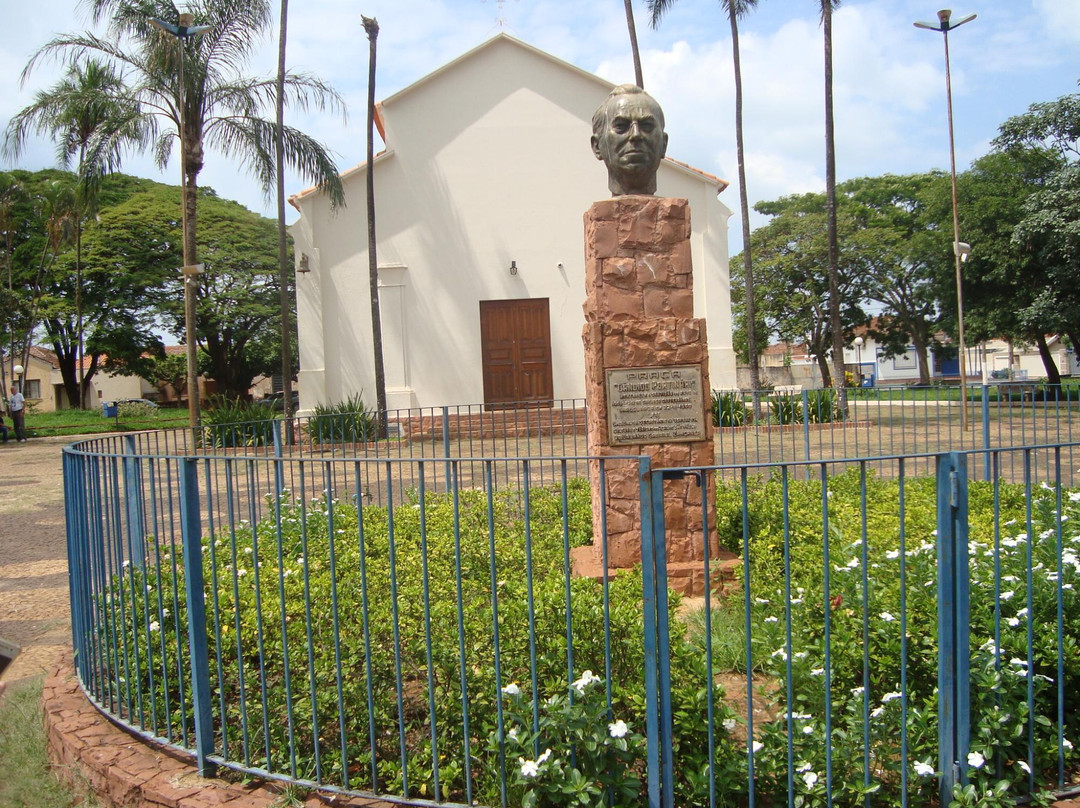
[
  {"x": 618, "y": 729},
  {"x": 892, "y": 554},
  {"x": 1013, "y": 622},
  {"x": 887, "y": 617},
  {"x": 1066, "y": 743},
  {"x": 729, "y": 724},
  {"x": 1006, "y": 595},
  {"x": 758, "y": 746},
  {"x": 975, "y": 760},
  {"x": 761, "y": 600},
  {"x": 240, "y": 572},
  {"x": 126, "y": 564},
  {"x": 528, "y": 768},
  {"x": 154, "y": 625},
  {"x": 780, "y": 652},
  {"x": 165, "y": 612},
  {"x": 924, "y": 769},
  {"x": 543, "y": 758},
  {"x": 808, "y": 729},
  {"x": 1023, "y": 765},
  {"x": 1022, "y": 613},
  {"x": 877, "y": 711},
  {"x": 511, "y": 690},
  {"x": 810, "y": 778},
  {"x": 857, "y": 691},
  {"x": 817, "y": 672},
  {"x": 587, "y": 678},
  {"x": 512, "y": 734},
  {"x": 772, "y": 619}
]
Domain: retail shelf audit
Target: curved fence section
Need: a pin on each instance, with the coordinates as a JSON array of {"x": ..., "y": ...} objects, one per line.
[{"x": 418, "y": 628}]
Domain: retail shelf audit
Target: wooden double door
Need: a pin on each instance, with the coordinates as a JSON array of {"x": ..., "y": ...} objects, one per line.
[{"x": 515, "y": 338}]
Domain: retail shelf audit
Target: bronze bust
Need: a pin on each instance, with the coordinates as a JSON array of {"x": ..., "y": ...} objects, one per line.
[{"x": 628, "y": 135}]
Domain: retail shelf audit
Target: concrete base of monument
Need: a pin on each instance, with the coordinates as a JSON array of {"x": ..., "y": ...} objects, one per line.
[{"x": 685, "y": 577}]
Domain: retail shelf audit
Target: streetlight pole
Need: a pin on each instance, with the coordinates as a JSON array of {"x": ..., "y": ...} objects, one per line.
[
  {"x": 944, "y": 26},
  {"x": 858, "y": 342},
  {"x": 190, "y": 271}
]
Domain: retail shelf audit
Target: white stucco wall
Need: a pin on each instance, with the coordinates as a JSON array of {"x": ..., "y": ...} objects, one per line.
[{"x": 488, "y": 162}]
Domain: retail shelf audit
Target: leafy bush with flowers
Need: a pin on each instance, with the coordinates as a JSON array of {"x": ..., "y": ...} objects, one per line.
[
  {"x": 589, "y": 757},
  {"x": 353, "y": 642},
  {"x": 877, "y": 582},
  {"x": 347, "y": 643}
]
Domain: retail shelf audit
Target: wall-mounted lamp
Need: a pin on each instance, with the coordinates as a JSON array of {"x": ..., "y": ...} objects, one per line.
[
  {"x": 305, "y": 264},
  {"x": 962, "y": 249},
  {"x": 513, "y": 267}
]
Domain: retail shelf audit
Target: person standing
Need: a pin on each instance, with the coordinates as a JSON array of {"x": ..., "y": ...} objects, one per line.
[{"x": 17, "y": 410}]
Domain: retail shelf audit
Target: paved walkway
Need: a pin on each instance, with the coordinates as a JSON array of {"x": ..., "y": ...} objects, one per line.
[{"x": 34, "y": 609}]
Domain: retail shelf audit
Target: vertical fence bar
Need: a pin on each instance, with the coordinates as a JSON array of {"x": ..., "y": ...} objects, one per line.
[
  {"x": 954, "y": 641},
  {"x": 133, "y": 501},
  {"x": 986, "y": 430},
  {"x": 191, "y": 536},
  {"x": 652, "y": 525}
]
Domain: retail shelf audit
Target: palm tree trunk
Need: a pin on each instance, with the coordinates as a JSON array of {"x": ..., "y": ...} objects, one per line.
[
  {"x": 371, "y": 27},
  {"x": 283, "y": 245},
  {"x": 744, "y": 209},
  {"x": 633, "y": 43},
  {"x": 189, "y": 172},
  {"x": 835, "y": 326}
]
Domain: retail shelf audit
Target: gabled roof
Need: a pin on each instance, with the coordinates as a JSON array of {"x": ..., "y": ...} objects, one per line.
[{"x": 501, "y": 38}]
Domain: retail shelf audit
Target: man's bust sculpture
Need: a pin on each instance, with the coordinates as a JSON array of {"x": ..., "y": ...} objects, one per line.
[{"x": 628, "y": 135}]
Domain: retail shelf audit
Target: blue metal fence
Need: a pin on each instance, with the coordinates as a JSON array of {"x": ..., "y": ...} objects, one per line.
[{"x": 411, "y": 627}]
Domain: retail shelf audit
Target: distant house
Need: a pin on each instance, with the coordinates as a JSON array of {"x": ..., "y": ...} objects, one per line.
[
  {"x": 43, "y": 384},
  {"x": 480, "y": 194}
]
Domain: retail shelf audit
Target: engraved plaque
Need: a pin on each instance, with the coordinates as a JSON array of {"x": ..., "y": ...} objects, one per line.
[{"x": 655, "y": 405}]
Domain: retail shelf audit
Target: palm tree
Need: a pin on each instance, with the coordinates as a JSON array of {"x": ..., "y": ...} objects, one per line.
[
  {"x": 632, "y": 29},
  {"x": 371, "y": 28},
  {"x": 736, "y": 9},
  {"x": 221, "y": 107},
  {"x": 89, "y": 120},
  {"x": 835, "y": 326}
]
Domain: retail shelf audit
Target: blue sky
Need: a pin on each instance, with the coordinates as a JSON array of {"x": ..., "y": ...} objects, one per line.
[{"x": 889, "y": 76}]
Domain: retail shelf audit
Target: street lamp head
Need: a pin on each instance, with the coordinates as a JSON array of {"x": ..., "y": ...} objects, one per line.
[
  {"x": 858, "y": 342},
  {"x": 183, "y": 30},
  {"x": 945, "y": 23},
  {"x": 962, "y": 250}
]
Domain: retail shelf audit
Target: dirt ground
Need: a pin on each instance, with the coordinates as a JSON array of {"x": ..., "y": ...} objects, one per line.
[{"x": 34, "y": 611}]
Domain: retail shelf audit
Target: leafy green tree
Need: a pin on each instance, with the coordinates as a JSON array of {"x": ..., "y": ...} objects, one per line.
[
  {"x": 791, "y": 265},
  {"x": 901, "y": 250},
  {"x": 237, "y": 295},
  {"x": 1012, "y": 288},
  {"x": 735, "y": 10},
  {"x": 1050, "y": 224}
]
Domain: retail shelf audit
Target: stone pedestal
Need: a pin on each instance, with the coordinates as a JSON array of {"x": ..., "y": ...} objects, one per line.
[{"x": 646, "y": 382}]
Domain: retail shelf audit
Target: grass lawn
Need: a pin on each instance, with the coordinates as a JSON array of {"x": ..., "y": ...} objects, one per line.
[
  {"x": 88, "y": 422},
  {"x": 28, "y": 779}
]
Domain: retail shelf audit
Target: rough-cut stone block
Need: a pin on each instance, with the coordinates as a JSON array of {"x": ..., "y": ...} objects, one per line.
[{"x": 641, "y": 302}]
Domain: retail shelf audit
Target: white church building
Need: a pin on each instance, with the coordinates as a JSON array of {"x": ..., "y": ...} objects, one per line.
[{"x": 480, "y": 192}]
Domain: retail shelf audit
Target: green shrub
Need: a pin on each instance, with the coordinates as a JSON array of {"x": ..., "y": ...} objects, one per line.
[
  {"x": 346, "y": 421},
  {"x": 786, "y": 409},
  {"x": 821, "y": 406},
  {"x": 230, "y": 423},
  {"x": 728, "y": 408}
]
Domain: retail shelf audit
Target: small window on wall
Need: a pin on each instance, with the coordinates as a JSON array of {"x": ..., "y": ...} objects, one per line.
[
  {"x": 32, "y": 388},
  {"x": 906, "y": 361}
]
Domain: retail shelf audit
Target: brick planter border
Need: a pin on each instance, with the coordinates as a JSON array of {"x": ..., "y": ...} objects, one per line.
[{"x": 123, "y": 770}]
